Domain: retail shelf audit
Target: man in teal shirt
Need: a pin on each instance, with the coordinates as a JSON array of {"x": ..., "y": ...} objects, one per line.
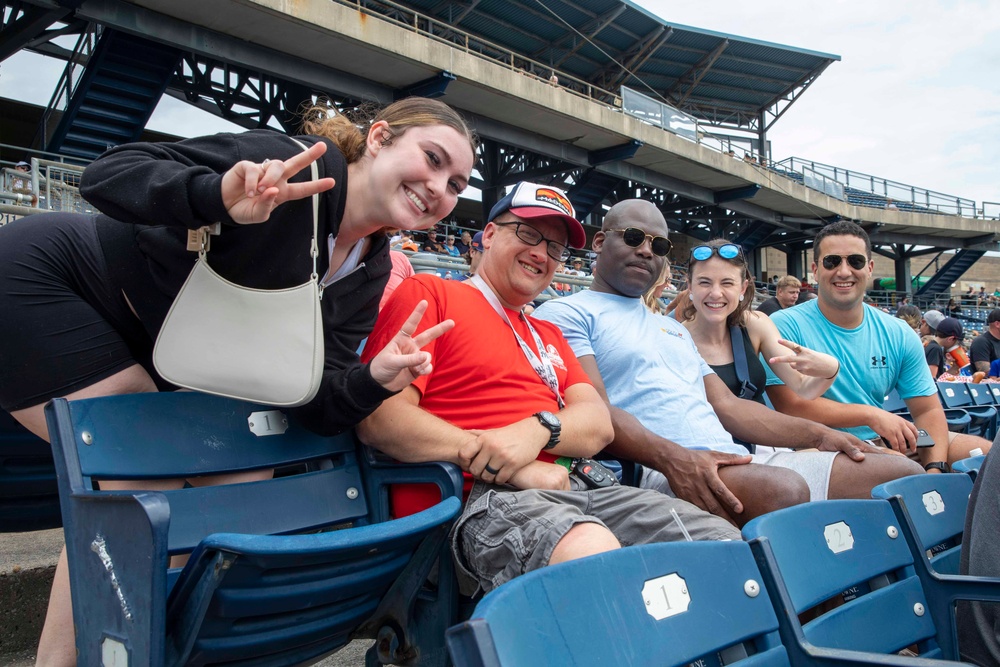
[{"x": 877, "y": 354}]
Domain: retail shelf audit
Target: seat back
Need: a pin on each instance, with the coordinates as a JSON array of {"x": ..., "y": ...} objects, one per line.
[
  {"x": 184, "y": 435},
  {"x": 29, "y": 495},
  {"x": 893, "y": 403},
  {"x": 969, "y": 466},
  {"x": 654, "y": 604},
  {"x": 994, "y": 390},
  {"x": 851, "y": 551},
  {"x": 954, "y": 394},
  {"x": 936, "y": 506},
  {"x": 980, "y": 394},
  {"x": 255, "y": 587},
  {"x": 983, "y": 418}
]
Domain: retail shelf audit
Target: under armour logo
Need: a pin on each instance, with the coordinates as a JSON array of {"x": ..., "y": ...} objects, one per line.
[{"x": 878, "y": 361}]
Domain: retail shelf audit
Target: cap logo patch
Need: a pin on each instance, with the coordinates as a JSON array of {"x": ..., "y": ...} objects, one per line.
[{"x": 554, "y": 199}]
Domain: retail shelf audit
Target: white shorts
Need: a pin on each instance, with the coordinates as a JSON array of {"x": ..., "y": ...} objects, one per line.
[{"x": 814, "y": 466}]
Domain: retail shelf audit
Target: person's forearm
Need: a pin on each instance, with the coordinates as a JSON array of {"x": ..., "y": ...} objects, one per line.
[
  {"x": 586, "y": 429},
  {"x": 634, "y": 442},
  {"x": 752, "y": 422},
  {"x": 410, "y": 434},
  {"x": 983, "y": 366},
  {"x": 813, "y": 387},
  {"x": 822, "y": 410}
]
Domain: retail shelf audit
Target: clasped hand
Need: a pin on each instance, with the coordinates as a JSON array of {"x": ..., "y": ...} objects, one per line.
[{"x": 497, "y": 455}]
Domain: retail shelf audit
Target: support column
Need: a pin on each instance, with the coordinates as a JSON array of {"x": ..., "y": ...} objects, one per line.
[
  {"x": 794, "y": 264},
  {"x": 903, "y": 279}
]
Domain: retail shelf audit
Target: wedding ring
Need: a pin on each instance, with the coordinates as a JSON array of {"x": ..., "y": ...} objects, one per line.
[
  {"x": 406, "y": 334},
  {"x": 265, "y": 163},
  {"x": 491, "y": 470},
  {"x": 798, "y": 349}
]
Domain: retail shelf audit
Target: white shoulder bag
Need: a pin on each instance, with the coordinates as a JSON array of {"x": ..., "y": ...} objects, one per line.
[{"x": 264, "y": 346}]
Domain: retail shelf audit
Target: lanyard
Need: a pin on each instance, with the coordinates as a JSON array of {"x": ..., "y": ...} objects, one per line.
[{"x": 539, "y": 362}]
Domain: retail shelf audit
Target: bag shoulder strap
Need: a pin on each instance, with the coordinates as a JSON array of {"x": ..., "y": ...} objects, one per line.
[
  {"x": 747, "y": 388},
  {"x": 198, "y": 239},
  {"x": 314, "y": 246}
]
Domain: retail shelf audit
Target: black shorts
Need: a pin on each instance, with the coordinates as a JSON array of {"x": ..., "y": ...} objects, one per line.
[{"x": 63, "y": 324}]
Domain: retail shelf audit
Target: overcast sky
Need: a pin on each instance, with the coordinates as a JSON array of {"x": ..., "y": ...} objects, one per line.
[{"x": 915, "y": 98}]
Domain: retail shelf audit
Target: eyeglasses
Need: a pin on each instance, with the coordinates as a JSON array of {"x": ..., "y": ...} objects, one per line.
[
  {"x": 634, "y": 237},
  {"x": 727, "y": 251},
  {"x": 857, "y": 262},
  {"x": 533, "y": 237}
]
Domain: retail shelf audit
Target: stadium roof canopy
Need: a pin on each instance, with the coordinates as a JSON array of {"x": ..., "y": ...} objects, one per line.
[{"x": 723, "y": 80}]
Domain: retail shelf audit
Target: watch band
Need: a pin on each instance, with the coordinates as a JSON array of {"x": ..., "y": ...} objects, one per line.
[
  {"x": 555, "y": 429},
  {"x": 938, "y": 465}
]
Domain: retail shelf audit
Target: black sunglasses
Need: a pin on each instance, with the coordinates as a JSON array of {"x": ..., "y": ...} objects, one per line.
[
  {"x": 634, "y": 237},
  {"x": 857, "y": 262}
]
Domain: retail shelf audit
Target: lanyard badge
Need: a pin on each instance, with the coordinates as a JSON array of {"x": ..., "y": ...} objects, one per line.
[{"x": 539, "y": 362}]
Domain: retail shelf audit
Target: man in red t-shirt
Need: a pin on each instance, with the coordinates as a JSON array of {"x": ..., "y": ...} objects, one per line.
[{"x": 505, "y": 400}]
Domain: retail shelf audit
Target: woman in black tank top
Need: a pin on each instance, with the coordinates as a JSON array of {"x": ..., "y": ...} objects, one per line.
[{"x": 718, "y": 302}]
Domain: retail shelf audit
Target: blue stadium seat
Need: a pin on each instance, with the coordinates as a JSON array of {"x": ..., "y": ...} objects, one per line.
[
  {"x": 853, "y": 552},
  {"x": 994, "y": 389},
  {"x": 969, "y": 466},
  {"x": 936, "y": 507},
  {"x": 654, "y": 604},
  {"x": 251, "y": 592},
  {"x": 981, "y": 394},
  {"x": 958, "y": 395},
  {"x": 29, "y": 495},
  {"x": 958, "y": 419},
  {"x": 688, "y": 603},
  {"x": 893, "y": 403}
]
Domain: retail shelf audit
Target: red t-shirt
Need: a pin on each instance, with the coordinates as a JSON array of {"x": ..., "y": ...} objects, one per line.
[{"x": 481, "y": 378}]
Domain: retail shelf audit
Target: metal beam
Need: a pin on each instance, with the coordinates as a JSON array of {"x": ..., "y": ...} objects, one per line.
[
  {"x": 591, "y": 29},
  {"x": 614, "y": 153},
  {"x": 145, "y": 23},
  {"x": 694, "y": 75},
  {"x": 434, "y": 86},
  {"x": 633, "y": 172},
  {"x": 744, "y": 192},
  {"x": 980, "y": 242},
  {"x": 983, "y": 242},
  {"x": 614, "y": 74},
  {"x": 796, "y": 91},
  {"x": 19, "y": 31},
  {"x": 529, "y": 141}
]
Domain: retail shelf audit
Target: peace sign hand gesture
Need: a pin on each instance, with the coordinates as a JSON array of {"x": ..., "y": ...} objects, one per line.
[
  {"x": 251, "y": 190},
  {"x": 402, "y": 360},
  {"x": 806, "y": 361}
]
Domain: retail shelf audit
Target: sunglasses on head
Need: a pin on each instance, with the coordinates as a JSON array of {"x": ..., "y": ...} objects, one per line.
[
  {"x": 857, "y": 262},
  {"x": 634, "y": 237},
  {"x": 727, "y": 251}
]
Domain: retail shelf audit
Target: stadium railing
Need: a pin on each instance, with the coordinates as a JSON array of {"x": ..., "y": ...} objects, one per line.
[{"x": 876, "y": 191}]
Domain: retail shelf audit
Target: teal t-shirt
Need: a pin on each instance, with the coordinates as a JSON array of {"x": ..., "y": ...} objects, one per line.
[{"x": 880, "y": 355}]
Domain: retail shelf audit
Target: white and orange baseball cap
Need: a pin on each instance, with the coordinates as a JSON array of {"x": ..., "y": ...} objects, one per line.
[{"x": 531, "y": 200}]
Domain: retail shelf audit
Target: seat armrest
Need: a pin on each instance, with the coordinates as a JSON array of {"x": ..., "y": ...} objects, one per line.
[{"x": 117, "y": 549}]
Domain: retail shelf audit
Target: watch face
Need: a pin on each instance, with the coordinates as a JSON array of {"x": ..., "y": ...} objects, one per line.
[{"x": 549, "y": 419}]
